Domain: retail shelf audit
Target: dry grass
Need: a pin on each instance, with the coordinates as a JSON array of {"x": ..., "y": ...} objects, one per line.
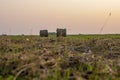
[{"x": 35, "y": 58}]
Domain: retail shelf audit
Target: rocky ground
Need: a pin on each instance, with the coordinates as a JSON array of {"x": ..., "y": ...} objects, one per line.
[{"x": 35, "y": 58}]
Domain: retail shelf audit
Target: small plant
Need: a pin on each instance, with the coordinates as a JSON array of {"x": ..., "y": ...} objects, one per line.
[
  {"x": 49, "y": 77},
  {"x": 57, "y": 75},
  {"x": 1, "y": 78},
  {"x": 94, "y": 77},
  {"x": 67, "y": 74},
  {"x": 10, "y": 77},
  {"x": 90, "y": 68}
]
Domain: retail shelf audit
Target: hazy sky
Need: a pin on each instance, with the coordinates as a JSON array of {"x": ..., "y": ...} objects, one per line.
[{"x": 78, "y": 16}]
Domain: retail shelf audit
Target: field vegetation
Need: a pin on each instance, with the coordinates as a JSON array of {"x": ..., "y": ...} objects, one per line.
[{"x": 75, "y": 57}]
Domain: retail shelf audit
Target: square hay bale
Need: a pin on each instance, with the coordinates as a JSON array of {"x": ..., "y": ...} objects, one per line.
[
  {"x": 61, "y": 32},
  {"x": 44, "y": 33}
]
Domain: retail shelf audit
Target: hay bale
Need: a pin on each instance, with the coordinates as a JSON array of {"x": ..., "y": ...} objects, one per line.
[
  {"x": 44, "y": 33},
  {"x": 61, "y": 32}
]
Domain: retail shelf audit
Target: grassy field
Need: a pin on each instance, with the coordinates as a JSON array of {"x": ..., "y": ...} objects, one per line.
[{"x": 75, "y": 57}]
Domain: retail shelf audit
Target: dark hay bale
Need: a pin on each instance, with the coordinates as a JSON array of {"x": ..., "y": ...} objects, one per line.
[
  {"x": 44, "y": 33},
  {"x": 61, "y": 32}
]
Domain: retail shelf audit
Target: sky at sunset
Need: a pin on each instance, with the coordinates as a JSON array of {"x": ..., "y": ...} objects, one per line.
[{"x": 77, "y": 16}]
